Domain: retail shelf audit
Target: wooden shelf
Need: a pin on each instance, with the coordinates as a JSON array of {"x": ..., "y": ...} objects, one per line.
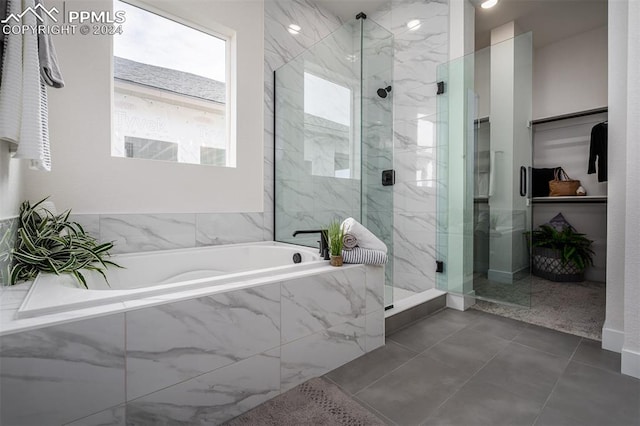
[{"x": 585, "y": 199}]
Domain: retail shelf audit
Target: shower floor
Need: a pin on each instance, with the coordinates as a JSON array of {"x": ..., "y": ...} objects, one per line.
[
  {"x": 575, "y": 308},
  {"x": 394, "y": 294}
]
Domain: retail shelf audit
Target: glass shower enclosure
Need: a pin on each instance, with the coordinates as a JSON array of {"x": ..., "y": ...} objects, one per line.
[
  {"x": 334, "y": 136},
  {"x": 484, "y": 161}
]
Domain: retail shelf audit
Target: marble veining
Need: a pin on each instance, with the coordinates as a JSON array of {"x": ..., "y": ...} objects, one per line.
[
  {"x": 228, "y": 228},
  {"x": 317, "y": 354},
  {"x": 211, "y": 398},
  {"x": 58, "y": 369},
  {"x": 138, "y": 232},
  {"x": 178, "y": 341},
  {"x": 320, "y": 302},
  {"x": 115, "y": 416}
]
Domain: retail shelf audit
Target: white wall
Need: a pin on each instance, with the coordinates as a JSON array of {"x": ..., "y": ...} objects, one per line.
[
  {"x": 11, "y": 183},
  {"x": 570, "y": 75},
  {"x": 86, "y": 178},
  {"x": 631, "y": 348}
]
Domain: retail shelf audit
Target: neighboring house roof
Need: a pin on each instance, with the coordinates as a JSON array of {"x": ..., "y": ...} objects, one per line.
[{"x": 167, "y": 79}]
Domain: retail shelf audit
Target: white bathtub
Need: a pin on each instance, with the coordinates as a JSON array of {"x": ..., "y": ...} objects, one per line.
[{"x": 154, "y": 273}]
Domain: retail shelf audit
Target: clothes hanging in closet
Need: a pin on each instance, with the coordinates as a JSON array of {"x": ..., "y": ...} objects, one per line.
[{"x": 598, "y": 149}]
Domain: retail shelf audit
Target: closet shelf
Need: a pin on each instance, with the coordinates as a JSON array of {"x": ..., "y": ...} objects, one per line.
[{"x": 590, "y": 199}]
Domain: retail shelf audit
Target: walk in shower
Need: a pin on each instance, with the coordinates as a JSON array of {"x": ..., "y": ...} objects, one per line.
[
  {"x": 484, "y": 160},
  {"x": 334, "y": 136}
]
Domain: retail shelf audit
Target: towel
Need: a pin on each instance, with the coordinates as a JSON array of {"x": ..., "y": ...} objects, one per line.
[
  {"x": 365, "y": 256},
  {"x": 49, "y": 68},
  {"x": 366, "y": 239},
  {"x": 349, "y": 242},
  {"x": 23, "y": 96},
  {"x": 3, "y": 15}
]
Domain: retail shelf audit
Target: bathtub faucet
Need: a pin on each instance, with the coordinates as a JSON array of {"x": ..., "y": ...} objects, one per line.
[{"x": 324, "y": 245}]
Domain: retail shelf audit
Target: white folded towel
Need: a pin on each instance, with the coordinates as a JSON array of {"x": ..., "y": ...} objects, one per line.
[
  {"x": 349, "y": 242},
  {"x": 23, "y": 97},
  {"x": 365, "y": 256},
  {"x": 366, "y": 239}
]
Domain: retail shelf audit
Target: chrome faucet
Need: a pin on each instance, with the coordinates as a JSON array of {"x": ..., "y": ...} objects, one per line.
[{"x": 324, "y": 245}]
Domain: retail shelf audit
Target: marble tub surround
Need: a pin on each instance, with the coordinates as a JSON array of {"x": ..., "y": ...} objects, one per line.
[
  {"x": 202, "y": 360},
  {"x": 148, "y": 232},
  {"x": 8, "y": 229}
]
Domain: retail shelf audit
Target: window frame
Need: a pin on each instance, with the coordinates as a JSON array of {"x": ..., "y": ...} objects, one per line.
[{"x": 213, "y": 29}]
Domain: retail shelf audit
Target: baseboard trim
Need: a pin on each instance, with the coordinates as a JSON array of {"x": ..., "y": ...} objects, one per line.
[
  {"x": 504, "y": 277},
  {"x": 461, "y": 302},
  {"x": 630, "y": 363},
  {"x": 612, "y": 340}
]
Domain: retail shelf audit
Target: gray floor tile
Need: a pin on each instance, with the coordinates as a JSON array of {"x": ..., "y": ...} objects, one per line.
[
  {"x": 411, "y": 393},
  {"x": 426, "y": 333},
  {"x": 468, "y": 317},
  {"x": 553, "y": 417},
  {"x": 482, "y": 404},
  {"x": 467, "y": 349},
  {"x": 593, "y": 395},
  {"x": 504, "y": 328},
  {"x": 365, "y": 370},
  {"x": 591, "y": 352},
  {"x": 524, "y": 371},
  {"x": 548, "y": 340}
]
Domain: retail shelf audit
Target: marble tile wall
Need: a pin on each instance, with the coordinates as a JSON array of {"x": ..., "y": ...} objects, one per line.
[
  {"x": 280, "y": 48},
  {"x": 148, "y": 232},
  {"x": 417, "y": 53},
  {"x": 8, "y": 229},
  {"x": 198, "y": 361}
]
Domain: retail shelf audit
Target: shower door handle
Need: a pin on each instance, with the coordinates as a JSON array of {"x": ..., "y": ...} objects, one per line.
[{"x": 523, "y": 181}]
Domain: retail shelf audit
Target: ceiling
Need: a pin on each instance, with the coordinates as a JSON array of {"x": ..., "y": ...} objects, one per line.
[{"x": 550, "y": 20}]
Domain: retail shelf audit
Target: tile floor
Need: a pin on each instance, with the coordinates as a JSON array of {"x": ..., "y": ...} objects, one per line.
[{"x": 473, "y": 368}]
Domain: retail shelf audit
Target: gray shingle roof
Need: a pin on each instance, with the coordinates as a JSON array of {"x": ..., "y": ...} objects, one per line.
[{"x": 167, "y": 79}]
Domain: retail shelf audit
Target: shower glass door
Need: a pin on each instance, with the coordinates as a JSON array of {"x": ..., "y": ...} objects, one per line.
[
  {"x": 334, "y": 136},
  {"x": 484, "y": 160}
]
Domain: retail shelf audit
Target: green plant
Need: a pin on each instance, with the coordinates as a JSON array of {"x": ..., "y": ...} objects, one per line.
[
  {"x": 335, "y": 235},
  {"x": 52, "y": 244},
  {"x": 573, "y": 246}
]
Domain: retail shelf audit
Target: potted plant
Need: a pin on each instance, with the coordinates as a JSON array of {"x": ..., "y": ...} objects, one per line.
[
  {"x": 52, "y": 244},
  {"x": 335, "y": 235},
  {"x": 560, "y": 255}
]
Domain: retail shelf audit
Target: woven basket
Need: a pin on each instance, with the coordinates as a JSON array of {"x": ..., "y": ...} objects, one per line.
[{"x": 547, "y": 263}]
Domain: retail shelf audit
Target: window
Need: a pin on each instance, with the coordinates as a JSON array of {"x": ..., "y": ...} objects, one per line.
[
  {"x": 171, "y": 97},
  {"x": 329, "y": 139}
]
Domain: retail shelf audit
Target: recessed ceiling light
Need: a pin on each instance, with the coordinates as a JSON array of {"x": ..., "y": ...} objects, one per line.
[
  {"x": 488, "y": 4},
  {"x": 294, "y": 29},
  {"x": 413, "y": 25}
]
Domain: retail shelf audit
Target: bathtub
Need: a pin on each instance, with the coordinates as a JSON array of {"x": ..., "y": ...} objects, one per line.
[
  {"x": 148, "y": 274},
  {"x": 188, "y": 336}
]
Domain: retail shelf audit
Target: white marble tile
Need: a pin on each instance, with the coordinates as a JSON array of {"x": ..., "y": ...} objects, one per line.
[
  {"x": 415, "y": 197},
  {"x": 212, "y": 398},
  {"x": 374, "y": 275},
  {"x": 12, "y": 296},
  {"x": 374, "y": 330},
  {"x": 115, "y": 416},
  {"x": 416, "y": 283},
  {"x": 319, "y": 353},
  {"x": 89, "y": 222},
  {"x": 146, "y": 232},
  {"x": 62, "y": 373},
  {"x": 268, "y": 226},
  {"x": 228, "y": 228},
  {"x": 171, "y": 343},
  {"x": 311, "y": 304}
]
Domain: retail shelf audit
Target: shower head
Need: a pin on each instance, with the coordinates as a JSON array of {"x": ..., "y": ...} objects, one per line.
[{"x": 382, "y": 92}]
